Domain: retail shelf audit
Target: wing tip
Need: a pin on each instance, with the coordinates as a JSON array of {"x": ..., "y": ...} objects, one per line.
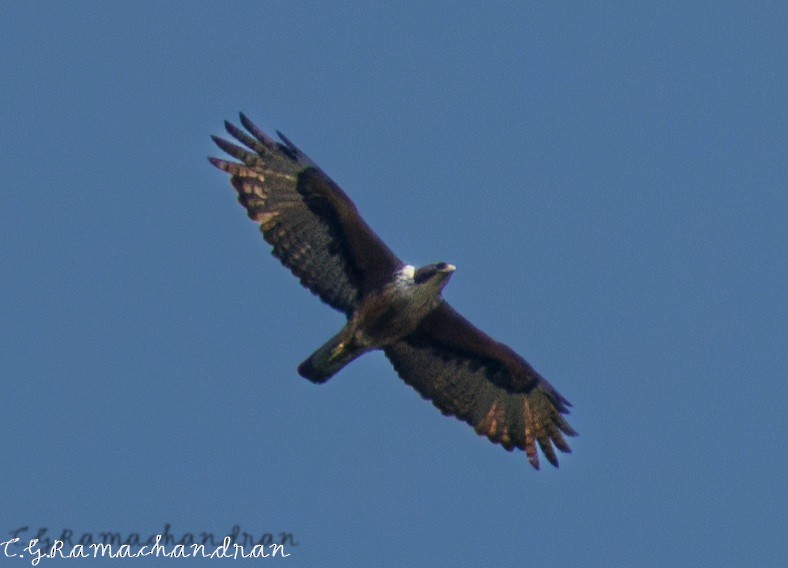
[
  {"x": 257, "y": 132},
  {"x": 220, "y": 142},
  {"x": 245, "y": 120}
]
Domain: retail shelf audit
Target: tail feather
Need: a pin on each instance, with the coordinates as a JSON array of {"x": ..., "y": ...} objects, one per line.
[{"x": 328, "y": 360}]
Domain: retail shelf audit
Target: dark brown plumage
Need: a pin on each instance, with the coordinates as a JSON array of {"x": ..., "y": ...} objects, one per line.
[{"x": 316, "y": 232}]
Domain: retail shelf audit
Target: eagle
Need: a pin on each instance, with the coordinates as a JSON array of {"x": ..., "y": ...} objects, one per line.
[{"x": 316, "y": 232}]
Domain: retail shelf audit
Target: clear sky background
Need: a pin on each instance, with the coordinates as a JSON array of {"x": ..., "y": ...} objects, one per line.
[{"x": 610, "y": 180}]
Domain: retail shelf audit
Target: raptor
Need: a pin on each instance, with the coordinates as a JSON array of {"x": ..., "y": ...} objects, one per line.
[{"x": 316, "y": 231}]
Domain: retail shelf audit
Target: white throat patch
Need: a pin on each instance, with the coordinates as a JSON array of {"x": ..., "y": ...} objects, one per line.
[{"x": 406, "y": 274}]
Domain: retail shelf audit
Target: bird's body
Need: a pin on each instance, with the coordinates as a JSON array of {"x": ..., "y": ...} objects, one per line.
[
  {"x": 384, "y": 317},
  {"x": 316, "y": 231}
]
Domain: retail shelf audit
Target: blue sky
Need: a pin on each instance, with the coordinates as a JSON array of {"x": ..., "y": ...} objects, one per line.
[{"x": 610, "y": 180}]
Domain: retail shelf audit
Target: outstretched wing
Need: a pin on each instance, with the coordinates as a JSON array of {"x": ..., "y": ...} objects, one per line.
[
  {"x": 314, "y": 228},
  {"x": 467, "y": 374}
]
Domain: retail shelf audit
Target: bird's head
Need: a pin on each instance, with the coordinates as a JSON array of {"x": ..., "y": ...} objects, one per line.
[{"x": 434, "y": 275}]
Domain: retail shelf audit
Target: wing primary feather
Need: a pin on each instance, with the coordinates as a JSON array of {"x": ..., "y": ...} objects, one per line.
[
  {"x": 528, "y": 435},
  {"x": 558, "y": 439},
  {"x": 232, "y": 168},
  {"x": 564, "y": 426},
  {"x": 261, "y": 136},
  {"x": 246, "y": 140},
  {"x": 237, "y": 152},
  {"x": 287, "y": 141},
  {"x": 559, "y": 401},
  {"x": 292, "y": 150},
  {"x": 547, "y": 449}
]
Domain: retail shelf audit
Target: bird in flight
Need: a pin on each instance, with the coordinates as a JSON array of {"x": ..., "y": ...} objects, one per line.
[{"x": 316, "y": 232}]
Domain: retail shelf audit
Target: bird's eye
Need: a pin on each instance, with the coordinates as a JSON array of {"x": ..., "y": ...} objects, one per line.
[
  {"x": 442, "y": 266},
  {"x": 423, "y": 275}
]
